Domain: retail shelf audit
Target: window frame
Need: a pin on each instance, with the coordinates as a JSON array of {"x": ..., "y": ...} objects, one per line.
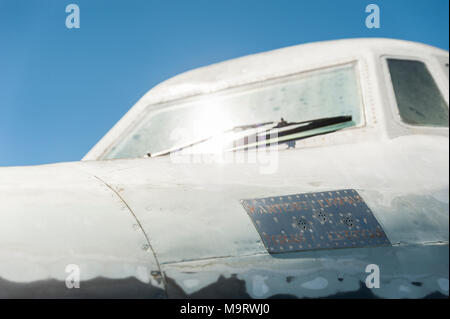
[
  {"x": 444, "y": 75},
  {"x": 393, "y": 105},
  {"x": 354, "y": 62}
]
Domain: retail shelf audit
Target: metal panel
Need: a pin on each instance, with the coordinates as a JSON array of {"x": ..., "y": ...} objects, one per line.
[{"x": 325, "y": 220}]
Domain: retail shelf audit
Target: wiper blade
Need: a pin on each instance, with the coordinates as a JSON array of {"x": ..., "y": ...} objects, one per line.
[
  {"x": 301, "y": 127},
  {"x": 234, "y": 128},
  {"x": 311, "y": 128},
  {"x": 311, "y": 124}
]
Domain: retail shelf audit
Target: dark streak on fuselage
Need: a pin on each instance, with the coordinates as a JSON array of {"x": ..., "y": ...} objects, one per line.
[
  {"x": 131, "y": 288},
  {"x": 127, "y": 288}
]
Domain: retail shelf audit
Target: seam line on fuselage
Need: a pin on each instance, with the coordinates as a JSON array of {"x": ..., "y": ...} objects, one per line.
[{"x": 142, "y": 228}]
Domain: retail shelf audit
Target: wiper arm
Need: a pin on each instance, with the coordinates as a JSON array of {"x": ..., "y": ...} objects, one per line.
[
  {"x": 234, "y": 128},
  {"x": 310, "y": 128},
  {"x": 309, "y": 125}
]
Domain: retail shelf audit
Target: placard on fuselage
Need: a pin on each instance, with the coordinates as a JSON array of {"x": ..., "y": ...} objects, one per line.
[{"x": 324, "y": 220}]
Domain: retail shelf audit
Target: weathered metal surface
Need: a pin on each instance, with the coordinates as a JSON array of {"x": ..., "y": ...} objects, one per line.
[
  {"x": 53, "y": 216},
  {"x": 408, "y": 197},
  {"x": 323, "y": 220},
  {"x": 405, "y": 272}
]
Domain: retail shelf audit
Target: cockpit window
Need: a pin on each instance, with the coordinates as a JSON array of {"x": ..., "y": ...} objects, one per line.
[
  {"x": 311, "y": 95},
  {"x": 419, "y": 99}
]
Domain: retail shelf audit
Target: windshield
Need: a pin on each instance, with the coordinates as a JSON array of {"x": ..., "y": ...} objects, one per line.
[{"x": 319, "y": 94}]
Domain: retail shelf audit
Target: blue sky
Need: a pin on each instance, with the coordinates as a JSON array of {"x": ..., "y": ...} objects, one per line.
[{"x": 62, "y": 89}]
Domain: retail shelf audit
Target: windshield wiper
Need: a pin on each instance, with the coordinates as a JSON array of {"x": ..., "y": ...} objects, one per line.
[
  {"x": 233, "y": 129},
  {"x": 309, "y": 125},
  {"x": 305, "y": 129}
]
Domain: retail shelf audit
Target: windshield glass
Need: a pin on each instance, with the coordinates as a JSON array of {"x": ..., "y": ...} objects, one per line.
[
  {"x": 318, "y": 94},
  {"x": 419, "y": 99}
]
